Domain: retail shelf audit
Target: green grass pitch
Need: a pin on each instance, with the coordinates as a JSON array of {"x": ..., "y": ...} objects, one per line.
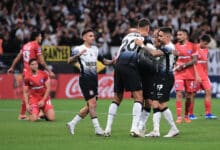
[{"x": 201, "y": 134}]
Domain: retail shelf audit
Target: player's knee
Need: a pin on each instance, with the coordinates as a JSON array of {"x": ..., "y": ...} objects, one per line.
[
  {"x": 208, "y": 92},
  {"x": 92, "y": 103},
  {"x": 50, "y": 118},
  {"x": 179, "y": 95}
]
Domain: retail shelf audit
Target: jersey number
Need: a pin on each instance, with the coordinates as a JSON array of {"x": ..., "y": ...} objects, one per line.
[
  {"x": 129, "y": 45},
  {"x": 26, "y": 56}
]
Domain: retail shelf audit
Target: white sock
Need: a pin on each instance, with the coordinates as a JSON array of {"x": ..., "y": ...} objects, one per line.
[
  {"x": 136, "y": 115},
  {"x": 143, "y": 119},
  {"x": 169, "y": 117},
  {"x": 75, "y": 120},
  {"x": 95, "y": 122},
  {"x": 111, "y": 114},
  {"x": 156, "y": 121}
]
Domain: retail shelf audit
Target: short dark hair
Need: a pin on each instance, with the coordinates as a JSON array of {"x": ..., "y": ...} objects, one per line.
[
  {"x": 166, "y": 30},
  {"x": 31, "y": 60},
  {"x": 183, "y": 30},
  {"x": 34, "y": 35},
  {"x": 87, "y": 30},
  {"x": 143, "y": 22},
  {"x": 205, "y": 38}
]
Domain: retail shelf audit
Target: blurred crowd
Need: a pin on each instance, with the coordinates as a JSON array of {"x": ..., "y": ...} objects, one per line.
[{"x": 62, "y": 21}]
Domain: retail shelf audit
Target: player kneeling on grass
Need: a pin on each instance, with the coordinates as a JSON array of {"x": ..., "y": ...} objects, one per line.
[{"x": 36, "y": 93}]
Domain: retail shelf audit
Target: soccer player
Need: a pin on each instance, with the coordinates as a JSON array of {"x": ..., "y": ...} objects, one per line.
[
  {"x": 147, "y": 71},
  {"x": 37, "y": 92},
  {"x": 163, "y": 81},
  {"x": 87, "y": 55},
  {"x": 29, "y": 51},
  {"x": 184, "y": 74},
  {"x": 201, "y": 72},
  {"x": 127, "y": 77}
]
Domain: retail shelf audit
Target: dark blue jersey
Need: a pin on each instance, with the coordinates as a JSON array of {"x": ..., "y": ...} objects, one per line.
[{"x": 128, "y": 50}]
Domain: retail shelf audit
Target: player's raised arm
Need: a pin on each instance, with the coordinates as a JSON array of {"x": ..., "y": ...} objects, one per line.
[
  {"x": 44, "y": 64},
  {"x": 75, "y": 57},
  {"x": 106, "y": 61},
  {"x": 14, "y": 63},
  {"x": 149, "y": 48},
  {"x": 26, "y": 95}
]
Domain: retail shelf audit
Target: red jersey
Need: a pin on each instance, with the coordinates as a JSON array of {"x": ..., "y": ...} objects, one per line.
[
  {"x": 36, "y": 84},
  {"x": 29, "y": 51},
  {"x": 202, "y": 62},
  {"x": 185, "y": 54}
]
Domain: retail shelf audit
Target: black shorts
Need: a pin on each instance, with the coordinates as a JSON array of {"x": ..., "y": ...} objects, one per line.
[
  {"x": 89, "y": 87},
  {"x": 126, "y": 77},
  {"x": 162, "y": 87},
  {"x": 147, "y": 83},
  {"x": 146, "y": 62}
]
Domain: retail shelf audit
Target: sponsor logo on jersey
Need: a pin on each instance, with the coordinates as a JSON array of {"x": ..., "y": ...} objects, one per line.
[
  {"x": 189, "y": 51},
  {"x": 41, "y": 80}
]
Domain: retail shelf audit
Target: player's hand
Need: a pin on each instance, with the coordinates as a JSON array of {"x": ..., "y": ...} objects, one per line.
[
  {"x": 10, "y": 70},
  {"x": 114, "y": 59},
  {"x": 52, "y": 74},
  {"x": 178, "y": 68},
  {"x": 82, "y": 52},
  {"x": 69, "y": 60},
  {"x": 41, "y": 103},
  {"x": 139, "y": 42},
  {"x": 28, "y": 107}
]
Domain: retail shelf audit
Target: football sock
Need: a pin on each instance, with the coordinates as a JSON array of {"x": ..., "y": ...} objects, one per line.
[
  {"x": 143, "y": 118},
  {"x": 23, "y": 108},
  {"x": 75, "y": 120},
  {"x": 179, "y": 109},
  {"x": 191, "y": 108},
  {"x": 95, "y": 123},
  {"x": 207, "y": 104},
  {"x": 111, "y": 114},
  {"x": 136, "y": 113},
  {"x": 156, "y": 119},
  {"x": 168, "y": 116},
  {"x": 187, "y": 107}
]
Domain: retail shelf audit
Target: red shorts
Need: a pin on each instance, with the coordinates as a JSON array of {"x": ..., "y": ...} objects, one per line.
[
  {"x": 186, "y": 85},
  {"x": 204, "y": 85},
  {"x": 35, "y": 109}
]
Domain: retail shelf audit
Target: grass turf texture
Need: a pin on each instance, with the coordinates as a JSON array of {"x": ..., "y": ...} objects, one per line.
[{"x": 21, "y": 135}]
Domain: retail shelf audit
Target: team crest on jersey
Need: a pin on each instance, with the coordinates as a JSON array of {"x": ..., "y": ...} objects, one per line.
[
  {"x": 159, "y": 87},
  {"x": 39, "y": 49},
  {"x": 42, "y": 80},
  {"x": 91, "y": 92},
  {"x": 176, "y": 85},
  {"x": 189, "y": 51}
]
